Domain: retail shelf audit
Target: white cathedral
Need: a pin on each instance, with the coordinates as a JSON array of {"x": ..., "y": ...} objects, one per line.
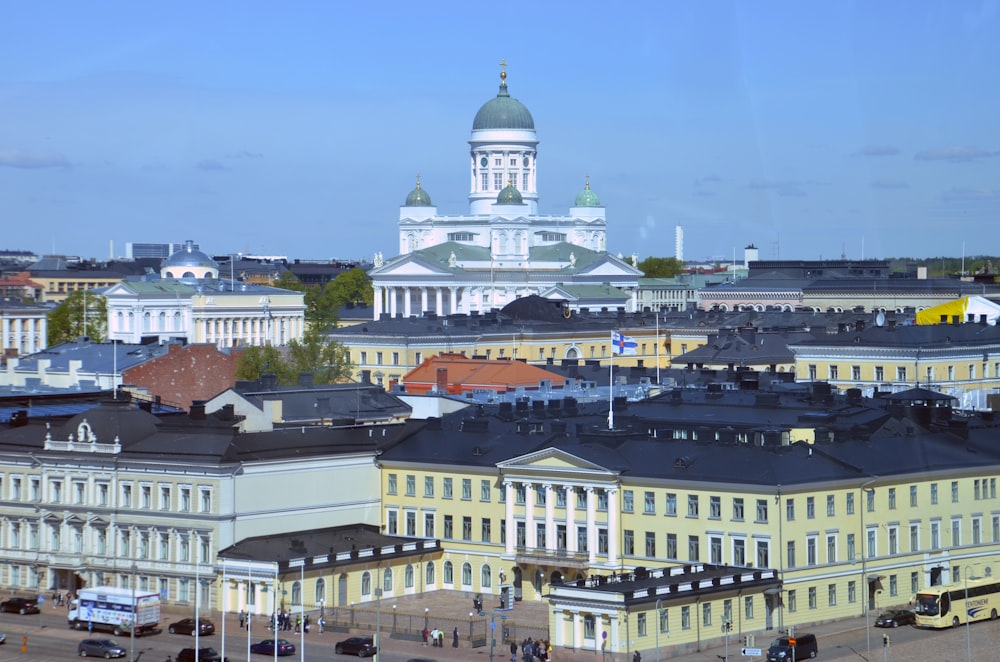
[{"x": 502, "y": 249}]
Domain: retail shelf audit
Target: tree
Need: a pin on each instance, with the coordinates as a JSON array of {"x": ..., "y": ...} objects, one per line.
[
  {"x": 323, "y": 304},
  {"x": 315, "y": 353},
  {"x": 69, "y": 321},
  {"x": 289, "y": 281},
  {"x": 661, "y": 267}
]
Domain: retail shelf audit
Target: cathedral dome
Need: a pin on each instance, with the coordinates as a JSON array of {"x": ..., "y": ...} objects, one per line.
[
  {"x": 418, "y": 197},
  {"x": 587, "y": 198},
  {"x": 509, "y": 196},
  {"x": 503, "y": 112},
  {"x": 189, "y": 262}
]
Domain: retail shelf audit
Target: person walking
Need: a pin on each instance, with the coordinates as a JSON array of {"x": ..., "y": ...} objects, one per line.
[
  {"x": 454, "y": 638},
  {"x": 513, "y": 651},
  {"x": 243, "y": 618},
  {"x": 425, "y": 633}
]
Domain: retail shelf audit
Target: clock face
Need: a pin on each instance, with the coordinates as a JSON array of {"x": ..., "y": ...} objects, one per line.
[{"x": 484, "y": 161}]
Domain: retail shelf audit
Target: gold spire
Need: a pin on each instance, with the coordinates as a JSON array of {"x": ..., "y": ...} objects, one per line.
[
  {"x": 587, "y": 185},
  {"x": 503, "y": 73},
  {"x": 418, "y": 180}
]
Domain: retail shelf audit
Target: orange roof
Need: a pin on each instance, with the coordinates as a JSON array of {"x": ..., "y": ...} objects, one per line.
[{"x": 466, "y": 374}]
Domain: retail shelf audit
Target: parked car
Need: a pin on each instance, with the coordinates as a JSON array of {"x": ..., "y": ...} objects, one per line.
[
  {"x": 893, "y": 618},
  {"x": 204, "y": 655},
  {"x": 266, "y": 647},
  {"x": 106, "y": 648},
  {"x": 187, "y": 626},
  {"x": 19, "y": 606},
  {"x": 3, "y": 638},
  {"x": 360, "y": 646}
]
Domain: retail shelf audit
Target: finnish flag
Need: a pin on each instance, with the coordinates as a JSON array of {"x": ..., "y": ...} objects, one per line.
[{"x": 622, "y": 344}]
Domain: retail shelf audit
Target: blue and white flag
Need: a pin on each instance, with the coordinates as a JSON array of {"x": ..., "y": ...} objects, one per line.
[{"x": 622, "y": 344}]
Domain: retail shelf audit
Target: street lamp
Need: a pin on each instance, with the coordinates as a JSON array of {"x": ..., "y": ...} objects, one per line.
[
  {"x": 865, "y": 491},
  {"x": 659, "y": 625},
  {"x": 135, "y": 619}
]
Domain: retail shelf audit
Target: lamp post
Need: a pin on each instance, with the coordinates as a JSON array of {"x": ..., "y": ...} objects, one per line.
[
  {"x": 135, "y": 620},
  {"x": 865, "y": 491},
  {"x": 378, "y": 614},
  {"x": 659, "y": 622}
]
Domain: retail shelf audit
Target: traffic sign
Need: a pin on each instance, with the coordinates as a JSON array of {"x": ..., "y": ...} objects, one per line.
[{"x": 750, "y": 652}]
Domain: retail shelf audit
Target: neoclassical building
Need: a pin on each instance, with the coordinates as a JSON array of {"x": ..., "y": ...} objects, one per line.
[
  {"x": 189, "y": 301},
  {"x": 502, "y": 249},
  {"x": 23, "y": 328}
]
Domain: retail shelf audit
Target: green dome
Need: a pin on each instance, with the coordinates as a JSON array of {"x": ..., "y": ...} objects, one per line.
[
  {"x": 587, "y": 198},
  {"x": 418, "y": 197},
  {"x": 503, "y": 112},
  {"x": 509, "y": 196}
]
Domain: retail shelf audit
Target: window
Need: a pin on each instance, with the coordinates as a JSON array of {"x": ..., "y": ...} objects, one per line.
[
  {"x": 831, "y": 507},
  {"x": 185, "y": 499},
  {"x": 879, "y": 373},
  {"x": 485, "y": 530},
  {"x": 15, "y": 490},
  {"x": 467, "y": 489},
  {"x": 145, "y": 496},
  {"x": 649, "y": 503},
  {"x": 811, "y": 550},
  {"x": 671, "y": 503},
  {"x": 206, "y": 500},
  {"x": 812, "y": 597},
  {"x": 792, "y": 602},
  {"x": 893, "y": 586},
  {"x": 602, "y": 500},
  {"x": 685, "y": 618},
  {"x": 411, "y": 523},
  {"x": 650, "y": 544},
  {"x": 664, "y": 620},
  {"x": 466, "y": 574},
  {"x": 761, "y": 510},
  {"x": 850, "y": 547},
  {"x": 914, "y": 582},
  {"x": 834, "y": 372},
  {"x": 831, "y": 548},
  {"x": 856, "y": 373},
  {"x": 671, "y": 545},
  {"x": 539, "y": 491},
  {"x": 935, "y": 535},
  {"x": 692, "y": 505},
  {"x": 411, "y": 485},
  {"x": 714, "y": 507},
  {"x": 831, "y": 595},
  {"x": 466, "y": 528},
  {"x": 627, "y": 501},
  {"x": 560, "y": 497},
  {"x": 913, "y": 496},
  {"x": 715, "y": 550},
  {"x": 163, "y": 545},
  {"x": 790, "y": 510},
  {"x": 934, "y": 494},
  {"x": 747, "y": 608},
  {"x": 810, "y": 507},
  {"x": 871, "y": 543},
  {"x": 484, "y": 490},
  {"x": 893, "y": 540},
  {"x": 428, "y": 525},
  {"x": 485, "y": 576},
  {"x": 589, "y": 627},
  {"x": 602, "y": 541},
  {"x": 977, "y": 531},
  {"x": 791, "y": 553},
  {"x": 870, "y": 500},
  {"x": 628, "y": 542},
  {"x": 850, "y": 503},
  {"x": 892, "y": 498},
  {"x": 429, "y": 574},
  {"x": 763, "y": 554},
  {"x": 914, "y": 537},
  {"x": 392, "y": 523},
  {"x": 378, "y": 358},
  {"x": 956, "y": 532},
  {"x": 395, "y": 358},
  {"x": 739, "y": 552},
  {"x": 126, "y": 495},
  {"x": 852, "y": 592},
  {"x": 446, "y": 491},
  {"x": 954, "y": 491},
  {"x": 448, "y": 527},
  {"x": 387, "y": 580},
  {"x": 901, "y": 373},
  {"x": 693, "y": 551},
  {"x": 56, "y": 491},
  {"x": 812, "y": 373},
  {"x": 428, "y": 486},
  {"x": 449, "y": 573},
  {"x": 706, "y": 614}
]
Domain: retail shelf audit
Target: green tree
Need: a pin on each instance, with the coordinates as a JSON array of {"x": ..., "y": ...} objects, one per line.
[
  {"x": 289, "y": 281},
  {"x": 69, "y": 320},
  {"x": 315, "y": 353},
  {"x": 661, "y": 267},
  {"x": 323, "y": 304},
  {"x": 260, "y": 360}
]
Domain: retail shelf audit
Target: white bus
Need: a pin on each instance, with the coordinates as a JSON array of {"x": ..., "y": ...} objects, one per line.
[{"x": 947, "y": 605}]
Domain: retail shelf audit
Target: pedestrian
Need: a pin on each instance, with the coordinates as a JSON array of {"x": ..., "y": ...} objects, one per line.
[
  {"x": 637, "y": 657},
  {"x": 243, "y": 618},
  {"x": 513, "y": 651},
  {"x": 298, "y": 624},
  {"x": 322, "y": 624},
  {"x": 305, "y": 624},
  {"x": 425, "y": 633},
  {"x": 454, "y": 638}
]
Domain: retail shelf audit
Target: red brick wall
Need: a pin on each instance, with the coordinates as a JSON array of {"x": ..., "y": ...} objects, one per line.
[{"x": 186, "y": 373}]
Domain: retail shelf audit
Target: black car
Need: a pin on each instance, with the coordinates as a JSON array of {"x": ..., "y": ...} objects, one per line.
[
  {"x": 187, "y": 626},
  {"x": 19, "y": 606},
  {"x": 360, "y": 646},
  {"x": 893, "y": 618},
  {"x": 204, "y": 655},
  {"x": 266, "y": 647},
  {"x": 106, "y": 648}
]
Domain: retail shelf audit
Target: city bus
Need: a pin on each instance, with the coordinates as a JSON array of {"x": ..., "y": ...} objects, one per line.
[{"x": 947, "y": 606}]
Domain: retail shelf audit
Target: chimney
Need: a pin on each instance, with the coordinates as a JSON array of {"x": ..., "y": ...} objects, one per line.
[
  {"x": 197, "y": 412},
  {"x": 441, "y": 380}
]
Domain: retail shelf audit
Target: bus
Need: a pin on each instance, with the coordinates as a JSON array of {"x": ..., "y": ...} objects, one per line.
[{"x": 947, "y": 605}]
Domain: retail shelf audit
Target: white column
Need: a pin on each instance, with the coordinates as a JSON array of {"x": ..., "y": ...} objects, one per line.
[
  {"x": 32, "y": 346},
  {"x": 509, "y": 528},
  {"x": 571, "y": 545},
  {"x": 613, "y": 528},
  {"x": 407, "y": 306},
  {"x": 392, "y": 301},
  {"x": 454, "y": 300},
  {"x": 550, "y": 514},
  {"x": 423, "y": 300},
  {"x": 530, "y": 540},
  {"x": 440, "y": 304},
  {"x": 5, "y": 334},
  {"x": 378, "y": 301},
  {"x": 591, "y": 524}
]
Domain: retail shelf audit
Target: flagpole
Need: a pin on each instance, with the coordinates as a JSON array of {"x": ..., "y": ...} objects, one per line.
[
  {"x": 611, "y": 385},
  {"x": 657, "y": 346}
]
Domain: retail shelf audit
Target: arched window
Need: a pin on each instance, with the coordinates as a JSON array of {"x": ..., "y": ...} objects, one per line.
[
  {"x": 321, "y": 591},
  {"x": 387, "y": 580},
  {"x": 366, "y": 583},
  {"x": 486, "y": 577},
  {"x": 296, "y": 593},
  {"x": 429, "y": 574},
  {"x": 408, "y": 577},
  {"x": 449, "y": 573},
  {"x": 467, "y": 574}
]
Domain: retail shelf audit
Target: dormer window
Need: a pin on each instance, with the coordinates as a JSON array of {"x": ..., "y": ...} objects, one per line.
[{"x": 461, "y": 236}]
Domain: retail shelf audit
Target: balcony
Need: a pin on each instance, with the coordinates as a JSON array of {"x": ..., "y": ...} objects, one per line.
[{"x": 551, "y": 557}]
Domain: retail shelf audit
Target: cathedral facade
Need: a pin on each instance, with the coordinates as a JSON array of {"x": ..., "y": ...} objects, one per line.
[{"x": 502, "y": 249}]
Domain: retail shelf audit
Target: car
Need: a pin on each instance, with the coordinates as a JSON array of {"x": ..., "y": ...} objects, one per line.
[
  {"x": 19, "y": 606},
  {"x": 421, "y": 659},
  {"x": 360, "y": 646},
  {"x": 187, "y": 626},
  {"x": 106, "y": 648},
  {"x": 3, "y": 638},
  {"x": 266, "y": 647},
  {"x": 893, "y": 618},
  {"x": 204, "y": 655}
]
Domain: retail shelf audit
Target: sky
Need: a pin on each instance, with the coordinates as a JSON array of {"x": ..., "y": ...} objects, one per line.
[{"x": 812, "y": 130}]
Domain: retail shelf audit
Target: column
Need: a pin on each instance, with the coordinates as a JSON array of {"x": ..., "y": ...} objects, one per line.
[
  {"x": 378, "y": 301},
  {"x": 591, "y": 524},
  {"x": 423, "y": 300},
  {"x": 454, "y": 300},
  {"x": 392, "y": 301},
  {"x": 509, "y": 528},
  {"x": 550, "y": 513},
  {"x": 530, "y": 539},
  {"x": 571, "y": 545},
  {"x": 438, "y": 299},
  {"x": 32, "y": 346},
  {"x": 407, "y": 310},
  {"x": 613, "y": 528},
  {"x": 5, "y": 337}
]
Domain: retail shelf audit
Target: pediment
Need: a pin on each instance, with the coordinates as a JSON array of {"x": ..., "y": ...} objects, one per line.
[
  {"x": 410, "y": 266},
  {"x": 552, "y": 462},
  {"x": 557, "y": 294},
  {"x": 610, "y": 267},
  {"x": 119, "y": 289}
]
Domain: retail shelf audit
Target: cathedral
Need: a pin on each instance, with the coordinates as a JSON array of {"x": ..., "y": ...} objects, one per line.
[{"x": 502, "y": 249}]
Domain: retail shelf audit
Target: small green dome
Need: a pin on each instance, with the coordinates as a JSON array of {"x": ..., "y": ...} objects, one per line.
[
  {"x": 503, "y": 112},
  {"x": 587, "y": 198},
  {"x": 509, "y": 196},
  {"x": 418, "y": 197}
]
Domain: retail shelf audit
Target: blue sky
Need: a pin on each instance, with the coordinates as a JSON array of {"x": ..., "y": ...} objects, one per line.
[{"x": 811, "y": 129}]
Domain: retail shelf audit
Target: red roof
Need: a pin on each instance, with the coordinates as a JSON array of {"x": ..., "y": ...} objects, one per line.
[{"x": 465, "y": 374}]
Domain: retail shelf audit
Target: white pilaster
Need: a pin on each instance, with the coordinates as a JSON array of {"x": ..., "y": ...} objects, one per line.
[
  {"x": 591, "y": 524},
  {"x": 509, "y": 528},
  {"x": 392, "y": 301},
  {"x": 571, "y": 545},
  {"x": 423, "y": 300},
  {"x": 378, "y": 301},
  {"x": 613, "y": 527},
  {"x": 439, "y": 295},
  {"x": 407, "y": 302},
  {"x": 550, "y": 514},
  {"x": 530, "y": 539}
]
